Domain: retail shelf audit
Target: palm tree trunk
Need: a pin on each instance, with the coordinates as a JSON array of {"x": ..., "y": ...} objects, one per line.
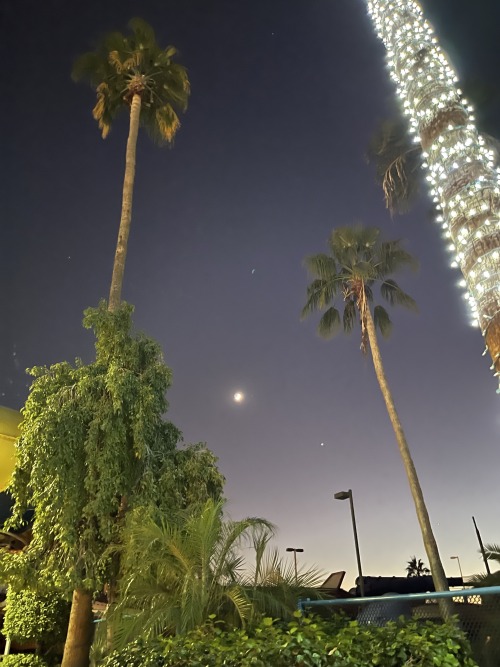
[
  {"x": 461, "y": 173},
  {"x": 126, "y": 216},
  {"x": 80, "y": 630},
  {"x": 431, "y": 548}
]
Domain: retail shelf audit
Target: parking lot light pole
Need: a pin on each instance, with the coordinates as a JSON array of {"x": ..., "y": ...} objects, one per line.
[
  {"x": 344, "y": 495},
  {"x": 295, "y": 551}
]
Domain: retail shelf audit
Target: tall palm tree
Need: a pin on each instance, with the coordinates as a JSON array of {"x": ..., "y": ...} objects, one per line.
[
  {"x": 358, "y": 260},
  {"x": 416, "y": 568},
  {"x": 461, "y": 168},
  {"x": 133, "y": 73}
]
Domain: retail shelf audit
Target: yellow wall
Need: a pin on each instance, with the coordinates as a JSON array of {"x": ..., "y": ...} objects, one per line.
[{"x": 9, "y": 430}]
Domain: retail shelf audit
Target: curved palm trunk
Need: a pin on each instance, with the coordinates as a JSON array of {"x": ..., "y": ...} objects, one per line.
[
  {"x": 126, "y": 216},
  {"x": 431, "y": 548},
  {"x": 80, "y": 630},
  {"x": 461, "y": 170}
]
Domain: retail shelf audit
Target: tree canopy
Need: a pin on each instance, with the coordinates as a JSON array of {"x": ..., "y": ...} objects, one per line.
[
  {"x": 126, "y": 65},
  {"x": 357, "y": 261},
  {"x": 91, "y": 435}
]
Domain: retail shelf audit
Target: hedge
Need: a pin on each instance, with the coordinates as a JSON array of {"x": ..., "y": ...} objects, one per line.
[{"x": 304, "y": 643}]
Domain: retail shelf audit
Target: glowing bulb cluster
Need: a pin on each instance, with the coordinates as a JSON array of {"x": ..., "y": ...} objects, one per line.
[{"x": 463, "y": 177}]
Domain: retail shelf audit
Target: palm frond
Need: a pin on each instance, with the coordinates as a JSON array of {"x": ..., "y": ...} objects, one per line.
[
  {"x": 392, "y": 257},
  {"x": 349, "y": 316},
  {"x": 329, "y": 324},
  {"x": 321, "y": 266},
  {"x": 143, "y": 32},
  {"x": 320, "y": 294},
  {"x": 492, "y": 552},
  {"x": 167, "y": 124},
  {"x": 394, "y": 295},
  {"x": 397, "y": 161},
  {"x": 382, "y": 321}
]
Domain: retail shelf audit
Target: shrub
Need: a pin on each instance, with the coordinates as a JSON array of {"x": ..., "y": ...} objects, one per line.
[
  {"x": 304, "y": 643},
  {"x": 30, "y": 616},
  {"x": 138, "y": 654},
  {"x": 24, "y": 660}
]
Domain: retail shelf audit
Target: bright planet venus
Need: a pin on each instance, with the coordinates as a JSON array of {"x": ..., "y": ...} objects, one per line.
[{"x": 238, "y": 397}]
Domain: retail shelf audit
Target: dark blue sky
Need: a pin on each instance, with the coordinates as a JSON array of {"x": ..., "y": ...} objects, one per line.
[{"x": 285, "y": 96}]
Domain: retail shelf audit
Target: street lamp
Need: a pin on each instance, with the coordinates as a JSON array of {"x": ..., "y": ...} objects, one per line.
[
  {"x": 344, "y": 495},
  {"x": 459, "y": 566},
  {"x": 295, "y": 552}
]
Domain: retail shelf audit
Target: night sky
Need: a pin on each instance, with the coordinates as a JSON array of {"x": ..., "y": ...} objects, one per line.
[{"x": 270, "y": 157}]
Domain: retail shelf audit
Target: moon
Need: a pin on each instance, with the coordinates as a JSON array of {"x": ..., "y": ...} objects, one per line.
[{"x": 238, "y": 397}]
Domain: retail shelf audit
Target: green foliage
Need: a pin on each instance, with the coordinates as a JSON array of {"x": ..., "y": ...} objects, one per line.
[
  {"x": 24, "y": 660},
  {"x": 91, "y": 435},
  {"x": 307, "y": 643},
  {"x": 180, "y": 568},
  {"x": 358, "y": 261},
  {"x": 188, "y": 479},
  {"x": 32, "y": 616},
  {"x": 123, "y": 66}
]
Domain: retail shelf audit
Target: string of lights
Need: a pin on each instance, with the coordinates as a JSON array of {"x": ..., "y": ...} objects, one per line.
[{"x": 461, "y": 169}]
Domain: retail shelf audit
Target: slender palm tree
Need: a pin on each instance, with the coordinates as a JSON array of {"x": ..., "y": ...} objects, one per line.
[
  {"x": 461, "y": 169},
  {"x": 358, "y": 260},
  {"x": 416, "y": 568},
  {"x": 133, "y": 73}
]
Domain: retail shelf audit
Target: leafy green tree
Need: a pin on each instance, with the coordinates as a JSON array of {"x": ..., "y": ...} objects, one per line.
[
  {"x": 188, "y": 479},
  {"x": 358, "y": 260},
  {"x": 91, "y": 434},
  {"x": 133, "y": 73},
  {"x": 416, "y": 568}
]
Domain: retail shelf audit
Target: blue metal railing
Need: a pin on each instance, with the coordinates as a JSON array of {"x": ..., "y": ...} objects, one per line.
[
  {"x": 463, "y": 593},
  {"x": 477, "y": 611}
]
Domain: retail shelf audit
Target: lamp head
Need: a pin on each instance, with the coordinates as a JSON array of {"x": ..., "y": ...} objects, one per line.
[{"x": 342, "y": 495}]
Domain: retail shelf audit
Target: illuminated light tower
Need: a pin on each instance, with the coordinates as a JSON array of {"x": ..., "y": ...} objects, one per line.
[{"x": 463, "y": 176}]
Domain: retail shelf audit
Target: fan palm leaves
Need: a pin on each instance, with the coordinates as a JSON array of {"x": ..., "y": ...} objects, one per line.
[
  {"x": 132, "y": 73},
  {"x": 124, "y": 66},
  {"x": 359, "y": 261}
]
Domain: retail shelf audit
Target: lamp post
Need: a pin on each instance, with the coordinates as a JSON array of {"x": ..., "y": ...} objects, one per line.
[
  {"x": 344, "y": 495},
  {"x": 295, "y": 551},
  {"x": 459, "y": 566}
]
